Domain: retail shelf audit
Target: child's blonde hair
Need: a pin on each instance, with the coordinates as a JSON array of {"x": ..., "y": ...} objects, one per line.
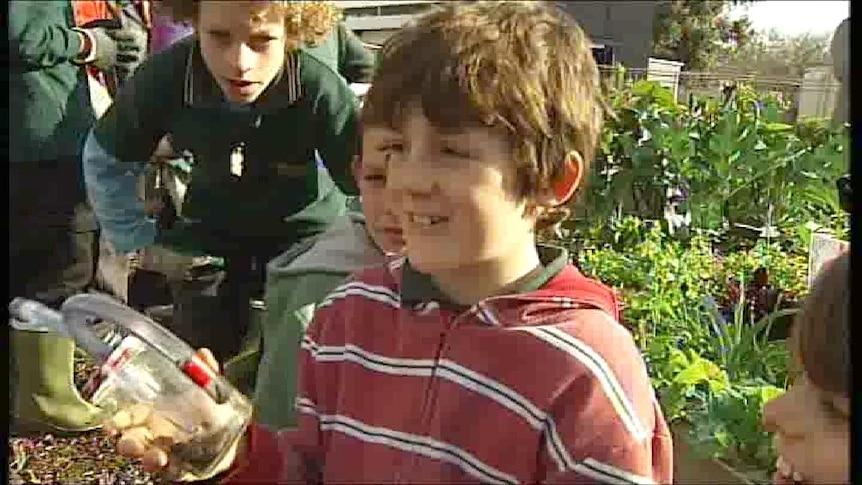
[{"x": 306, "y": 22}]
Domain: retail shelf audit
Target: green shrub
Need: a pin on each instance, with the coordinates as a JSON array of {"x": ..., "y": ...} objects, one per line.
[
  {"x": 735, "y": 161},
  {"x": 701, "y": 361},
  {"x": 755, "y": 188}
]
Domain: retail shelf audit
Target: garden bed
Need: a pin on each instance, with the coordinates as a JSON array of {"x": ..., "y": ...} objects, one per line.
[
  {"x": 86, "y": 458},
  {"x": 714, "y": 348},
  {"x": 700, "y": 214},
  {"x": 691, "y": 468}
]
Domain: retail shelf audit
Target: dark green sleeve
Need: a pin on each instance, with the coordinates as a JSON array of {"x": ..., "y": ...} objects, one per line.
[
  {"x": 335, "y": 113},
  {"x": 133, "y": 125},
  {"x": 40, "y": 34},
  {"x": 355, "y": 62}
]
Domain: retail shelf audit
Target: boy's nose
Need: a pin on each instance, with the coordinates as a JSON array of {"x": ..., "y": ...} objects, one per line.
[
  {"x": 241, "y": 58},
  {"x": 781, "y": 415},
  {"x": 771, "y": 416},
  {"x": 410, "y": 173}
]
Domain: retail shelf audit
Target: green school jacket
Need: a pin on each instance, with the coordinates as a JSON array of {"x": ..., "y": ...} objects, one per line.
[
  {"x": 49, "y": 104},
  {"x": 297, "y": 281},
  {"x": 344, "y": 52},
  {"x": 283, "y": 194}
]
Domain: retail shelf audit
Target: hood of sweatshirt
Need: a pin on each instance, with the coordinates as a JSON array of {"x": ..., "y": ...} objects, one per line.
[
  {"x": 550, "y": 299},
  {"x": 343, "y": 249}
]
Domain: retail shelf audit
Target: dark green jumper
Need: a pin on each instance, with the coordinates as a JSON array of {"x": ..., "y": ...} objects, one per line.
[{"x": 282, "y": 195}]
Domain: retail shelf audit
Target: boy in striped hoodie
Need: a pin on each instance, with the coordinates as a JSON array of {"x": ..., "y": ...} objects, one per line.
[{"x": 482, "y": 356}]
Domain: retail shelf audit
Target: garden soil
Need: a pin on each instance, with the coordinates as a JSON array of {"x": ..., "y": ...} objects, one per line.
[{"x": 83, "y": 459}]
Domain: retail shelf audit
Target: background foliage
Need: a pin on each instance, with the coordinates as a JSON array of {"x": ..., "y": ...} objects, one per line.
[{"x": 700, "y": 215}]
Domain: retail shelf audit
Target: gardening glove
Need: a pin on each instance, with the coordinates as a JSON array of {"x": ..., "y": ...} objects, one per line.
[
  {"x": 132, "y": 50},
  {"x": 146, "y": 436},
  {"x": 120, "y": 49}
]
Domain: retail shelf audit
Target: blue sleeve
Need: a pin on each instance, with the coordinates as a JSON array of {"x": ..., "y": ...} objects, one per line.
[{"x": 112, "y": 188}]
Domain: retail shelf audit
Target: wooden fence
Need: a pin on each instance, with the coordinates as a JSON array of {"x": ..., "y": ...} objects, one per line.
[{"x": 812, "y": 96}]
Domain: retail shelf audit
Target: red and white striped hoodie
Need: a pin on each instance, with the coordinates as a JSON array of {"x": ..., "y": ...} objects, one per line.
[{"x": 539, "y": 387}]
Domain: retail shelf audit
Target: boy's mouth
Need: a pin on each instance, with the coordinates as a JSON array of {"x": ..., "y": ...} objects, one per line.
[
  {"x": 241, "y": 86},
  {"x": 394, "y": 237},
  {"x": 423, "y": 221},
  {"x": 786, "y": 473}
]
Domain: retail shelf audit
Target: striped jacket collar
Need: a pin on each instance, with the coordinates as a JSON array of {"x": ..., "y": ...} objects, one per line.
[
  {"x": 200, "y": 89},
  {"x": 560, "y": 286},
  {"x": 417, "y": 287}
]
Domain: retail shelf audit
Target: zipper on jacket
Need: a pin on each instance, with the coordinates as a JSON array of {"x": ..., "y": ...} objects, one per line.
[{"x": 431, "y": 392}]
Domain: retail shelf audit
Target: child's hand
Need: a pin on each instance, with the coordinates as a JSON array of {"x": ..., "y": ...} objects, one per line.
[
  {"x": 146, "y": 436},
  {"x": 164, "y": 150}
]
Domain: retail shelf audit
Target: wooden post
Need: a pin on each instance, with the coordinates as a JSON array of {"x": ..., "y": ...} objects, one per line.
[{"x": 841, "y": 70}]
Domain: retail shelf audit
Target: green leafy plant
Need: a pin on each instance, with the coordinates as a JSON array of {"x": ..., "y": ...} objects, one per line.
[
  {"x": 755, "y": 187},
  {"x": 727, "y": 425},
  {"x": 742, "y": 348},
  {"x": 787, "y": 270},
  {"x": 732, "y": 162},
  {"x": 632, "y": 171},
  {"x": 696, "y": 350},
  {"x": 681, "y": 376},
  {"x": 658, "y": 279}
]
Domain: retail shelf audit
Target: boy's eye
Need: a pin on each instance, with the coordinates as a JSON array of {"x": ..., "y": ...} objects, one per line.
[
  {"x": 453, "y": 152},
  {"x": 220, "y": 36},
  {"x": 390, "y": 149},
  {"x": 375, "y": 178}
]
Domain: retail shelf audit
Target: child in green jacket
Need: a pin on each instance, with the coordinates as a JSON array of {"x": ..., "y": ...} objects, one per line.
[
  {"x": 344, "y": 52},
  {"x": 255, "y": 110},
  {"x": 300, "y": 278}
]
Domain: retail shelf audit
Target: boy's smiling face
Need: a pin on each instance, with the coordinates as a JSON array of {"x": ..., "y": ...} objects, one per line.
[
  {"x": 243, "y": 46},
  {"x": 381, "y": 221},
  {"x": 455, "y": 191}
]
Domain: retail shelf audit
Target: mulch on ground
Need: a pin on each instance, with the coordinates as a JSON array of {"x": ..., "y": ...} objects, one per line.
[{"x": 88, "y": 458}]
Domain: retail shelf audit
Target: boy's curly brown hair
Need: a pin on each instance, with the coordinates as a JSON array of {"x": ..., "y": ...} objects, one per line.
[
  {"x": 306, "y": 22},
  {"x": 524, "y": 66}
]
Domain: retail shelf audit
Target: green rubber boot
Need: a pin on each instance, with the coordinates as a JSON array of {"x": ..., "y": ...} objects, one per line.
[{"x": 45, "y": 398}]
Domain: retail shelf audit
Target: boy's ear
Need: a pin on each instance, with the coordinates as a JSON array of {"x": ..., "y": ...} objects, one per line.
[{"x": 565, "y": 188}]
